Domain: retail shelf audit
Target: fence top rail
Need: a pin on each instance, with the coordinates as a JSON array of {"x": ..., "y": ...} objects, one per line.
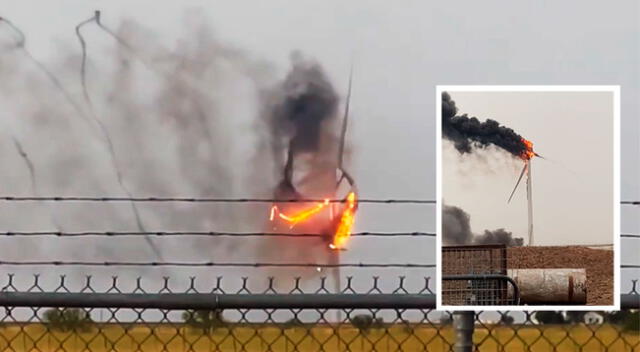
[{"x": 211, "y": 301}]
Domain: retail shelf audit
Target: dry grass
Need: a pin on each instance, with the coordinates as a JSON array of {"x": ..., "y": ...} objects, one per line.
[{"x": 178, "y": 338}]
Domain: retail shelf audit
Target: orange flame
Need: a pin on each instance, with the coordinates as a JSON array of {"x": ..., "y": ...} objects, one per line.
[
  {"x": 528, "y": 153},
  {"x": 298, "y": 217},
  {"x": 343, "y": 232}
]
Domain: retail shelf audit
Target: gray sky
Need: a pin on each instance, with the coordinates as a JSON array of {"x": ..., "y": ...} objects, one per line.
[
  {"x": 572, "y": 188},
  {"x": 400, "y": 53}
]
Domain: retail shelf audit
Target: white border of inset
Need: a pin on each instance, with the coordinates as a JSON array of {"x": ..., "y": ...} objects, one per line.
[{"x": 616, "y": 190}]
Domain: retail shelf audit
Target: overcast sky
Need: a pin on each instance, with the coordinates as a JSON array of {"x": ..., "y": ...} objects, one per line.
[{"x": 400, "y": 54}]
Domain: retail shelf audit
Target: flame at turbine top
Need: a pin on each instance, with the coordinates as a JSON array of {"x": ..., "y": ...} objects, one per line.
[{"x": 528, "y": 153}]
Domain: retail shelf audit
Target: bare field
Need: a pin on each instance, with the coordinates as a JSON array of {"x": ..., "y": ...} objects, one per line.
[{"x": 597, "y": 262}]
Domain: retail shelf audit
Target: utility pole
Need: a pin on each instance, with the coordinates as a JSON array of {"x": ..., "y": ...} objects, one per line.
[
  {"x": 463, "y": 325},
  {"x": 529, "y": 203}
]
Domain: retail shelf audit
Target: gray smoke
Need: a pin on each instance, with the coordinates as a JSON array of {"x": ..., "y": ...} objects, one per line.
[
  {"x": 177, "y": 130},
  {"x": 456, "y": 230},
  {"x": 177, "y": 119}
]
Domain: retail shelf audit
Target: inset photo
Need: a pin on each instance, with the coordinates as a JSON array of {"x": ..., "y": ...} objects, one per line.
[{"x": 528, "y": 197}]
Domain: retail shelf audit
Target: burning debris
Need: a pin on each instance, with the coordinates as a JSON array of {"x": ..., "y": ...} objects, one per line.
[
  {"x": 456, "y": 230},
  {"x": 347, "y": 220},
  {"x": 298, "y": 217},
  {"x": 305, "y": 115}
]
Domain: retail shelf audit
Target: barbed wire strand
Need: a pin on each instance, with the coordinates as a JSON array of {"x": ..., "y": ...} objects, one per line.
[
  {"x": 202, "y": 200},
  {"x": 206, "y": 234},
  {"x": 630, "y": 202},
  {"x": 212, "y": 264},
  {"x": 213, "y": 200}
]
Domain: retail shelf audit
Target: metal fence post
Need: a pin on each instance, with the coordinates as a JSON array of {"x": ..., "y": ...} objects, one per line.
[{"x": 463, "y": 324}]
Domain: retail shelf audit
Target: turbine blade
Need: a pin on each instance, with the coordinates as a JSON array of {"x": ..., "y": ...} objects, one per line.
[
  {"x": 345, "y": 120},
  {"x": 524, "y": 169}
]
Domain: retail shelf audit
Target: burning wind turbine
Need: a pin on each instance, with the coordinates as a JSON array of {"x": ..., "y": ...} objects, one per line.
[
  {"x": 309, "y": 103},
  {"x": 468, "y": 133},
  {"x": 527, "y": 155}
]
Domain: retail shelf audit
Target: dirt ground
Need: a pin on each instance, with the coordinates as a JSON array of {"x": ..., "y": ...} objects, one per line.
[{"x": 597, "y": 262}]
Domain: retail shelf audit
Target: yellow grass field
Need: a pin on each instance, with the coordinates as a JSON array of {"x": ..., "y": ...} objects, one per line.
[{"x": 178, "y": 338}]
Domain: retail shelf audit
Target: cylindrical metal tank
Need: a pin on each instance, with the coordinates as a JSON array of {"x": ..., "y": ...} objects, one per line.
[{"x": 551, "y": 286}]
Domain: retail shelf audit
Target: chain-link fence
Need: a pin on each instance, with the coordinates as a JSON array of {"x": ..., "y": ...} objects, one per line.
[{"x": 282, "y": 316}]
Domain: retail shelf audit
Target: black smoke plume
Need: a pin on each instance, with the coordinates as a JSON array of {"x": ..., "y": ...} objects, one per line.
[
  {"x": 301, "y": 117},
  {"x": 468, "y": 133},
  {"x": 456, "y": 230},
  {"x": 309, "y": 100}
]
